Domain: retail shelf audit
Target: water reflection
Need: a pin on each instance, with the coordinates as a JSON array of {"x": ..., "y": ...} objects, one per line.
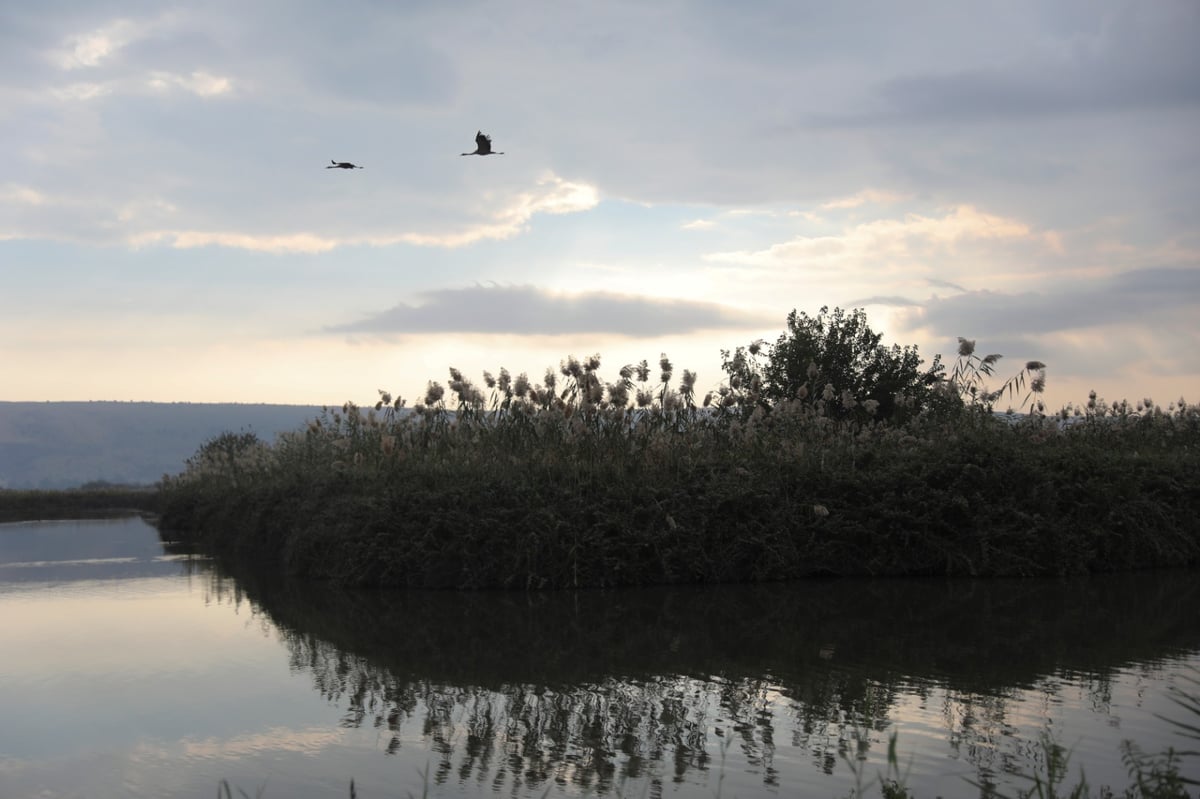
[
  {"x": 596, "y": 689},
  {"x": 66, "y": 551},
  {"x": 143, "y": 672}
]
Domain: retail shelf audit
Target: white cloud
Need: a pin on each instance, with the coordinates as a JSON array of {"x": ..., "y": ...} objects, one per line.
[
  {"x": 81, "y": 91},
  {"x": 551, "y": 195},
  {"x": 21, "y": 195},
  {"x": 964, "y": 222},
  {"x": 909, "y": 235},
  {"x": 89, "y": 49},
  {"x": 94, "y": 48},
  {"x": 108, "y": 217},
  {"x": 274, "y": 244},
  {"x": 865, "y": 197},
  {"x": 200, "y": 83},
  {"x": 110, "y": 46},
  {"x": 555, "y": 196},
  {"x": 145, "y": 210}
]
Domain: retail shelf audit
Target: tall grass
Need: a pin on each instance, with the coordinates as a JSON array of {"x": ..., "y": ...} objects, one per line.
[{"x": 575, "y": 481}]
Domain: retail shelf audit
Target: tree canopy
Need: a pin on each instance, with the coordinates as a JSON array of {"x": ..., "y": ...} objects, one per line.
[{"x": 837, "y": 360}]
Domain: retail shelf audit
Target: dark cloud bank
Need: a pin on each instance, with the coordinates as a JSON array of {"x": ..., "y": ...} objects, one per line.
[
  {"x": 1140, "y": 296},
  {"x": 526, "y": 310}
]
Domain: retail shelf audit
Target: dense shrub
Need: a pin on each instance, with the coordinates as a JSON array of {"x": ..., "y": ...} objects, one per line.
[{"x": 836, "y": 362}]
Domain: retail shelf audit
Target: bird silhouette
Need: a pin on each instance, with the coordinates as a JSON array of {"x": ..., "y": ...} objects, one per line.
[
  {"x": 342, "y": 165},
  {"x": 483, "y": 145}
]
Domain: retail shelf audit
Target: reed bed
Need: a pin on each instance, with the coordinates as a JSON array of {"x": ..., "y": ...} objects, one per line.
[
  {"x": 578, "y": 482},
  {"x": 84, "y": 502}
]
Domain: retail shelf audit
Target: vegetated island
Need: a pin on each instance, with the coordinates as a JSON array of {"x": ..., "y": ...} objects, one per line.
[
  {"x": 823, "y": 454},
  {"x": 91, "y": 500}
]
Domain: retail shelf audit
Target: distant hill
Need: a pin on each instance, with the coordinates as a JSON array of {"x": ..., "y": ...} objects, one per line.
[{"x": 67, "y": 444}]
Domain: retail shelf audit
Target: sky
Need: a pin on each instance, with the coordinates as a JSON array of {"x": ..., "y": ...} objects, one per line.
[{"x": 677, "y": 177}]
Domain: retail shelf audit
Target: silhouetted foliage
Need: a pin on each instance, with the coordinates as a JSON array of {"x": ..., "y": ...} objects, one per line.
[
  {"x": 577, "y": 482},
  {"x": 835, "y": 362},
  {"x": 96, "y": 500}
]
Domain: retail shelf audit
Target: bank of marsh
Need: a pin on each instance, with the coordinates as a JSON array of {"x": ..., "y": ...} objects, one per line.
[{"x": 577, "y": 482}]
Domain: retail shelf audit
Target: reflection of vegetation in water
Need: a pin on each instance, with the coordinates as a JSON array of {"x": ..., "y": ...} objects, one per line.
[
  {"x": 597, "y": 689},
  {"x": 591, "y": 735},
  {"x": 1189, "y": 701}
]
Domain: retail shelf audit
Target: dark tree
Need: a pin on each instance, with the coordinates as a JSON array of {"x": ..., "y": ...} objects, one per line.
[{"x": 839, "y": 351}]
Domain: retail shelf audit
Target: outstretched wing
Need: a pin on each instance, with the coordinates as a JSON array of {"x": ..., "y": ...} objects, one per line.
[{"x": 483, "y": 142}]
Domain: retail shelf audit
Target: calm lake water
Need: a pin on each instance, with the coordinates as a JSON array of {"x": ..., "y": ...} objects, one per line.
[{"x": 130, "y": 671}]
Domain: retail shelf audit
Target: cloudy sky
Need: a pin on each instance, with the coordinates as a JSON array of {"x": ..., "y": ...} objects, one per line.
[{"x": 677, "y": 177}]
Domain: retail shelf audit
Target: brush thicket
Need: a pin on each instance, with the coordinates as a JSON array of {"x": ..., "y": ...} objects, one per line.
[{"x": 575, "y": 481}]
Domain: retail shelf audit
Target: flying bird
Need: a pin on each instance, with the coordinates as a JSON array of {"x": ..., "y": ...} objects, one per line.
[
  {"x": 342, "y": 165},
  {"x": 483, "y": 145}
]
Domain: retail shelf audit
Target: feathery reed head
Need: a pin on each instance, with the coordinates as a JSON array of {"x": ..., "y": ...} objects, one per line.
[{"x": 434, "y": 393}]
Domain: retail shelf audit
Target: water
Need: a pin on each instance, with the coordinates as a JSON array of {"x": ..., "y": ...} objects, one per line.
[{"x": 129, "y": 670}]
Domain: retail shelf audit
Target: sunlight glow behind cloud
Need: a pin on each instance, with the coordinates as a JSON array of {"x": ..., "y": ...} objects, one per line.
[{"x": 914, "y": 233}]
